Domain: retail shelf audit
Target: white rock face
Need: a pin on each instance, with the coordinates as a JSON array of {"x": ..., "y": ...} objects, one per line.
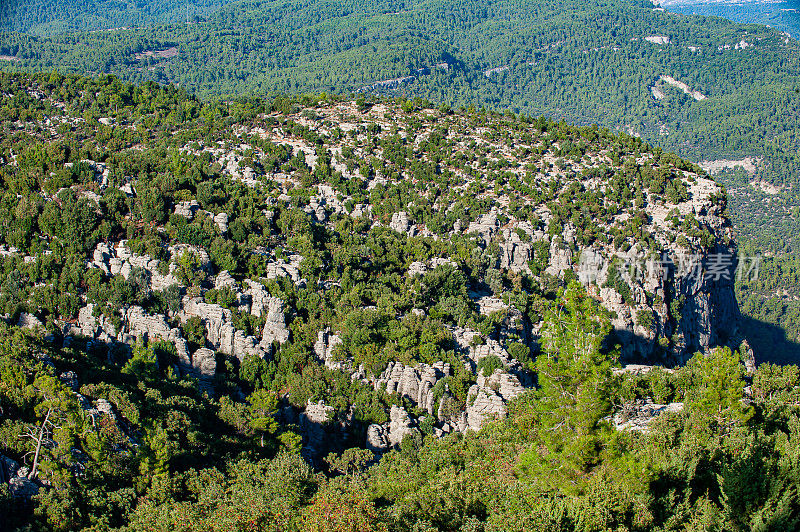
[
  {"x": 488, "y": 398},
  {"x": 504, "y": 384},
  {"x": 275, "y": 327},
  {"x": 697, "y": 95},
  {"x": 361, "y": 210},
  {"x": 483, "y": 405},
  {"x": 421, "y": 268},
  {"x": 256, "y": 298},
  {"x": 402, "y": 224},
  {"x": 222, "y": 336},
  {"x": 327, "y": 198},
  {"x": 214, "y": 317},
  {"x": 377, "y": 438},
  {"x": 204, "y": 366},
  {"x": 324, "y": 346},
  {"x": 118, "y": 260},
  {"x": 139, "y": 325},
  {"x": 416, "y": 383},
  {"x": 221, "y": 220},
  {"x": 400, "y": 425},
  {"x": 179, "y": 249},
  {"x": 657, "y": 39},
  {"x": 417, "y": 268},
  {"x": 224, "y": 280},
  {"x": 515, "y": 253},
  {"x": 489, "y": 305},
  {"x": 316, "y": 209},
  {"x": 187, "y": 209},
  {"x": 283, "y": 268},
  {"x": 87, "y": 324},
  {"x": 486, "y": 225},
  {"x": 489, "y": 347},
  {"x": 560, "y": 259},
  {"x": 29, "y": 321}
]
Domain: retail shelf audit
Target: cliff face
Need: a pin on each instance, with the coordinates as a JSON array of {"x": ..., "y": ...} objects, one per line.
[{"x": 666, "y": 304}]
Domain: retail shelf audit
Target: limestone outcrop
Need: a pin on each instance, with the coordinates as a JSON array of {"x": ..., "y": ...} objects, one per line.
[
  {"x": 402, "y": 224},
  {"x": 223, "y": 337},
  {"x": 286, "y": 268},
  {"x": 416, "y": 383},
  {"x": 323, "y": 430},
  {"x": 139, "y": 325},
  {"x": 118, "y": 260},
  {"x": 204, "y": 366},
  {"x": 275, "y": 326},
  {"x": 324, "y": 347},
  {"x": 381, "y": 438},
  {"x": 483, "y": 405}
]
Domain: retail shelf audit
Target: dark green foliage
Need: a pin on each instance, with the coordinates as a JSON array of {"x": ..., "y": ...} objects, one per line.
[
  {"x": 487, "y": 365},
  {"x": 161, "y": 428}
]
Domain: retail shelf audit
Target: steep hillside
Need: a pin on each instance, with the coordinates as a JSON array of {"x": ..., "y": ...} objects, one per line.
[
  {"x": 733, "y": 93},
  {"x": 522, "y": 198},
  {"x": 320, "y": 313}
]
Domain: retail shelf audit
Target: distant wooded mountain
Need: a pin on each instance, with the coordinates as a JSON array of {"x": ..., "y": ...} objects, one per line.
[
  {"x": 49, "y": 17},
  {"x": 784, "y": 16}
]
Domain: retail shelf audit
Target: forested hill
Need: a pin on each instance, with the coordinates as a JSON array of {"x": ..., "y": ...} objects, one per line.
[
  {"x": 709, "y": 89},
  {"x": 582, "y": 61},
  {"x": 318, "y": 313},
  {"x": 48, "y": 17}
]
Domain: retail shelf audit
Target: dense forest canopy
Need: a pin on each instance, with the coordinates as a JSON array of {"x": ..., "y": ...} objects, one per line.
[{"x": 47, "y": 17}]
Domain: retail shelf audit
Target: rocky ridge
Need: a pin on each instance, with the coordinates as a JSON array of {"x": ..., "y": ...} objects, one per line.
[{"x": 651, "y": 258}]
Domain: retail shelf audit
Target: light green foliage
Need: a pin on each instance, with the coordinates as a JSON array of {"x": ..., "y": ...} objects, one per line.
[
  {"x": 372, "y": 338},
  {"x": 190, "y": 269},
  {"x": 261, "y": 407},
  {"x": 487, "y": 365},
  {"x": 143, "y": 363},
  {"x": 714, "y": 387},
  {"x": 645, "y": 319},
  {"x": 776, "y": 385},
  {"x": 574, "y": 374}
]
